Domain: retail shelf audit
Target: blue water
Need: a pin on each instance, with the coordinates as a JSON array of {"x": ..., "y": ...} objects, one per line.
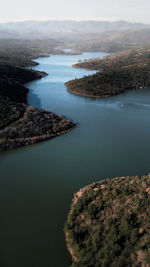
[{"x": 37, "y": 182}]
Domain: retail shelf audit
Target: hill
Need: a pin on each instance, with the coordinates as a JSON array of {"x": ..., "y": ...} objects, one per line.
[
  {"x": 109, "y": 223},
  {"x": 109, "y": 41},
  {"x": 20, "y": 124},
  {"x": 79, "y": 35},
  {"x": 117, "y": 73},
  {"x": 35, "y": 29}
]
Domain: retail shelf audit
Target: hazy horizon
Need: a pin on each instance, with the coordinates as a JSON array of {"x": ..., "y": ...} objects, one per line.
[
  {"x": 74, "y": 20},
  {"x": 78, "y": 10}
]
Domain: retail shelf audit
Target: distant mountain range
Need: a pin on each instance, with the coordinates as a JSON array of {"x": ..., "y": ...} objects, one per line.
[
  {"x": 78, "y": 35},
  {"x": 54, "y": 28}
]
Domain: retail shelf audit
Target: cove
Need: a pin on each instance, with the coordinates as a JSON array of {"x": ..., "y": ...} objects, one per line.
[{"x": 37, "y": 182}]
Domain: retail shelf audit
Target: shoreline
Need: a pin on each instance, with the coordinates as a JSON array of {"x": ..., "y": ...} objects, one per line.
[
  {"x": 75, "y": 197},
  {"x": 119, "y": 208},
  {"x": 77, "y": 66},
  {"x": 69, "y": 249},
  {"x": 22, "y": 142},
  {"x": 81, "y": 94},
  {"x": 21, "y": 136}
]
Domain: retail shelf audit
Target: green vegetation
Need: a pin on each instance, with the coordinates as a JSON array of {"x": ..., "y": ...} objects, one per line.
[
  {"x": 117, "y": 73},
  {"x": 21, "y": 52},
  {"x": 21, "y": 125},
  {"x": 10, "y": 111},
  {"x": 109, "y": 223},
  {"x": 12, "y": 79}
]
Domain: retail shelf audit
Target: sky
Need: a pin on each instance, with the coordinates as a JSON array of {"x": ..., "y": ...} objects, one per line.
[{"x": 108, "y": 10}]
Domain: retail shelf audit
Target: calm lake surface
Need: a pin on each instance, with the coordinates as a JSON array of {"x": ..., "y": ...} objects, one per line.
[{"x": 37, "y": 182}]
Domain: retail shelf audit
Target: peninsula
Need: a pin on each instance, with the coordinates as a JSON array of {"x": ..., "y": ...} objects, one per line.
[
  {"x": 117, "y": 73},
  {"x": 20, "y": 124},
  {"x": 109, "y": 223}
]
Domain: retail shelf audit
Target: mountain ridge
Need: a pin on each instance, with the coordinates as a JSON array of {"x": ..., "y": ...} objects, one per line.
[{"x": 58, "y": 26}]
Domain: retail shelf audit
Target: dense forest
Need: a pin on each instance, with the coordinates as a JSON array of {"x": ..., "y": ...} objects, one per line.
[
  {"x": 116, "y": 73},
  {"x": 20, "y": 124},
  {"x": 109, "y": 223}
]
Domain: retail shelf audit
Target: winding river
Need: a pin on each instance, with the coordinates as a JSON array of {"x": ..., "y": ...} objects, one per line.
[{"x": 37, "y": 182}]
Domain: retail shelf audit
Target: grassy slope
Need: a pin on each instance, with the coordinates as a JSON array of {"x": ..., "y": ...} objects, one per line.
[{"x": 109, "y": 223}]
